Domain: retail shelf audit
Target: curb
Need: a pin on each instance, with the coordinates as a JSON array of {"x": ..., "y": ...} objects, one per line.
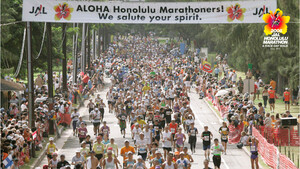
[
  {"x": 216, "y": 114},
  {"x": 43, "y": 152}
]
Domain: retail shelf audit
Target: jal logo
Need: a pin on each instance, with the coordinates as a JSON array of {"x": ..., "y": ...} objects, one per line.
[
  {"x": 261, "y": 11},
  {"x": 38, "y": 10}
]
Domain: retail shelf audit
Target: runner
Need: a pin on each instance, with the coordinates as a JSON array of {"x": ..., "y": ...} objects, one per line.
[
  {"x": 180, "y": 139},
  {"x": 224, "y": 131},
  {"x": 173, "y": 129},
  {"x": 51, "y": 148},
  {"x": 105, "y": 130},
  {"x": 98, "y": 148},
  {"x": 129, "y": 163},
  {"x": 82, "y": 131},
  {"x": 287, "y": 98},
  {"x": 167, "y": 141},
  {"x": 272, "y": 99},
  {"x": 101, "y": 107},
  {"x": 192, "y": 132},
  {"x": 141, "y": 146},
  {"x": 92, "y": 161},
  {"x": 254, "y": 152},
  {"x": 122, "y": 122},
  {"x": 110, "y": 162},
  {"x": 217, "y": 149},
  {"x": 206, "y": 136},
  {"x": 182, "y": 162},
  {"x": 140, "y": 164},
  {"x": 91, "y": 107},
  {"x": 169, "y": 164},
  {"x": 75, "y": 117},
  {"x": 124, "y": 151},
  {"x": 96, "y": 116}
]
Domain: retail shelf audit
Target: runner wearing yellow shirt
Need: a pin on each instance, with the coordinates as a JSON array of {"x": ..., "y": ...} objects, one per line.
[
  {"x": 51, "y": 148},
  {"x": 146, "y": 88},
  {"x": 98, "y": 148},
  {"x": 113, "y": 146},
  {"x": 141, "y": 122}
]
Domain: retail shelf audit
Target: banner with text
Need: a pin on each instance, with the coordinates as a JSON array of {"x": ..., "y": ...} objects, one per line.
[{"x": 147, "y": 12}]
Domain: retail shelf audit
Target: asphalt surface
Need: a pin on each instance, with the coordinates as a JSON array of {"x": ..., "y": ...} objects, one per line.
[{"x": 234, "y": 159}]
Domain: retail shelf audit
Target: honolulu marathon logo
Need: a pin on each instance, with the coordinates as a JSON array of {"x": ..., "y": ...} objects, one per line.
[
  {"x": 235, "y": 12},
  {"x": 276, "y": 25},
  {"x": 63, "y": 11}
]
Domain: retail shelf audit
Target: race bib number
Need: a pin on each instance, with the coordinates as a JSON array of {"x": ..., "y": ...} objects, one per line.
[
  {"x": 82, "y": 132},
  {"x": 172, "y": 130},
  {"x": 168, "y": 113},
  {"x": 252, "y": 148},
  {"x": 99, "y": 148},
  {"x": 206, "y": 138},
  {"x": 51, "y": 150},
  {"x": 224, "y": 137}
]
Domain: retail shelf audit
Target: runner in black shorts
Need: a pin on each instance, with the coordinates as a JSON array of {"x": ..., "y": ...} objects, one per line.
[{"x": 224, "y": 131}]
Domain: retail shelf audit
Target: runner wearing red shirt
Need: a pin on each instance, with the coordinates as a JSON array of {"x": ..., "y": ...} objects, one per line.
[
  {"x": 272, "y": 99},
  {"x": 287, "y": 97},
  {"x": 173, "y": 128}
]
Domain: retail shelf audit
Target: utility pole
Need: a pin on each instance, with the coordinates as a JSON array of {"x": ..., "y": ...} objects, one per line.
[
  {"x": 75, "y": 62},
  {"x": 94, "y": 44},
  {"x": 50, "y": 75},
  {"x": 103, "y": 38},
  {"x": 88, "y": 48},
  {"x": 82, "y": 60},
  {"x": 64, "y": 64},
  {"x": 99, "y": 42},
  {"x": 74, "y": 56},
  {"x": 30, "y": 83},
  {"x": 30, "y": 76}
]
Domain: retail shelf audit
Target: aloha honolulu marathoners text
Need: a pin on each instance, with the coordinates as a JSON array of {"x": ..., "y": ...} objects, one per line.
[{"x": 148, "y": 9}]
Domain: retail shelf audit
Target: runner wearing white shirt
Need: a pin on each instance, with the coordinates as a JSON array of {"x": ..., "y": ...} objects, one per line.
[
  {"x": 75, "y": 117},
  {"x": 135, "y": 132},
  {"x": 141, "y": 145},
  {"x": 166, "y": 141},
  {"x": 96, "y": 116}
]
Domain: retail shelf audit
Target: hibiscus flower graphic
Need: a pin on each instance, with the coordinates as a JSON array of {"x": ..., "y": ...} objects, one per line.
[
  {"x": 235, "y": 12},
  {"x": 63, "y": 11},
  {"x": 275, "y": 21}
]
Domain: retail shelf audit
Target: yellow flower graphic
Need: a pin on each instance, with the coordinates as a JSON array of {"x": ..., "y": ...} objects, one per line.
[{"x": 275, "y": 21}]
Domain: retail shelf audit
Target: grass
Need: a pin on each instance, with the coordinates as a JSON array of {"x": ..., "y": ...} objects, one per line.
[
  {"x": 294, "y": 153},
  {"x": 279, "y": 106}
]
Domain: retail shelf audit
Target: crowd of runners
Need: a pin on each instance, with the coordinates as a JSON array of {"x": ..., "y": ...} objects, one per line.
[
  {"x": 149, "y": 90},
  {"x": 149, "y": 97}
]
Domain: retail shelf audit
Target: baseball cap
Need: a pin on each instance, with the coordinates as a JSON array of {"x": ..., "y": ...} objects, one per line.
[
  {"x": 126, "y": 141},
  {"x": 129, "y": 152},
  {"x": 51, "y": 139},
  {"x": 177, "y": 153},
  {"x": 140, "y": 157}
]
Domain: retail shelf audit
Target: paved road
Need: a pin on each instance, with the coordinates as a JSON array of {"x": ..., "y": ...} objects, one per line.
[{"x": 235, "y": 158}]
